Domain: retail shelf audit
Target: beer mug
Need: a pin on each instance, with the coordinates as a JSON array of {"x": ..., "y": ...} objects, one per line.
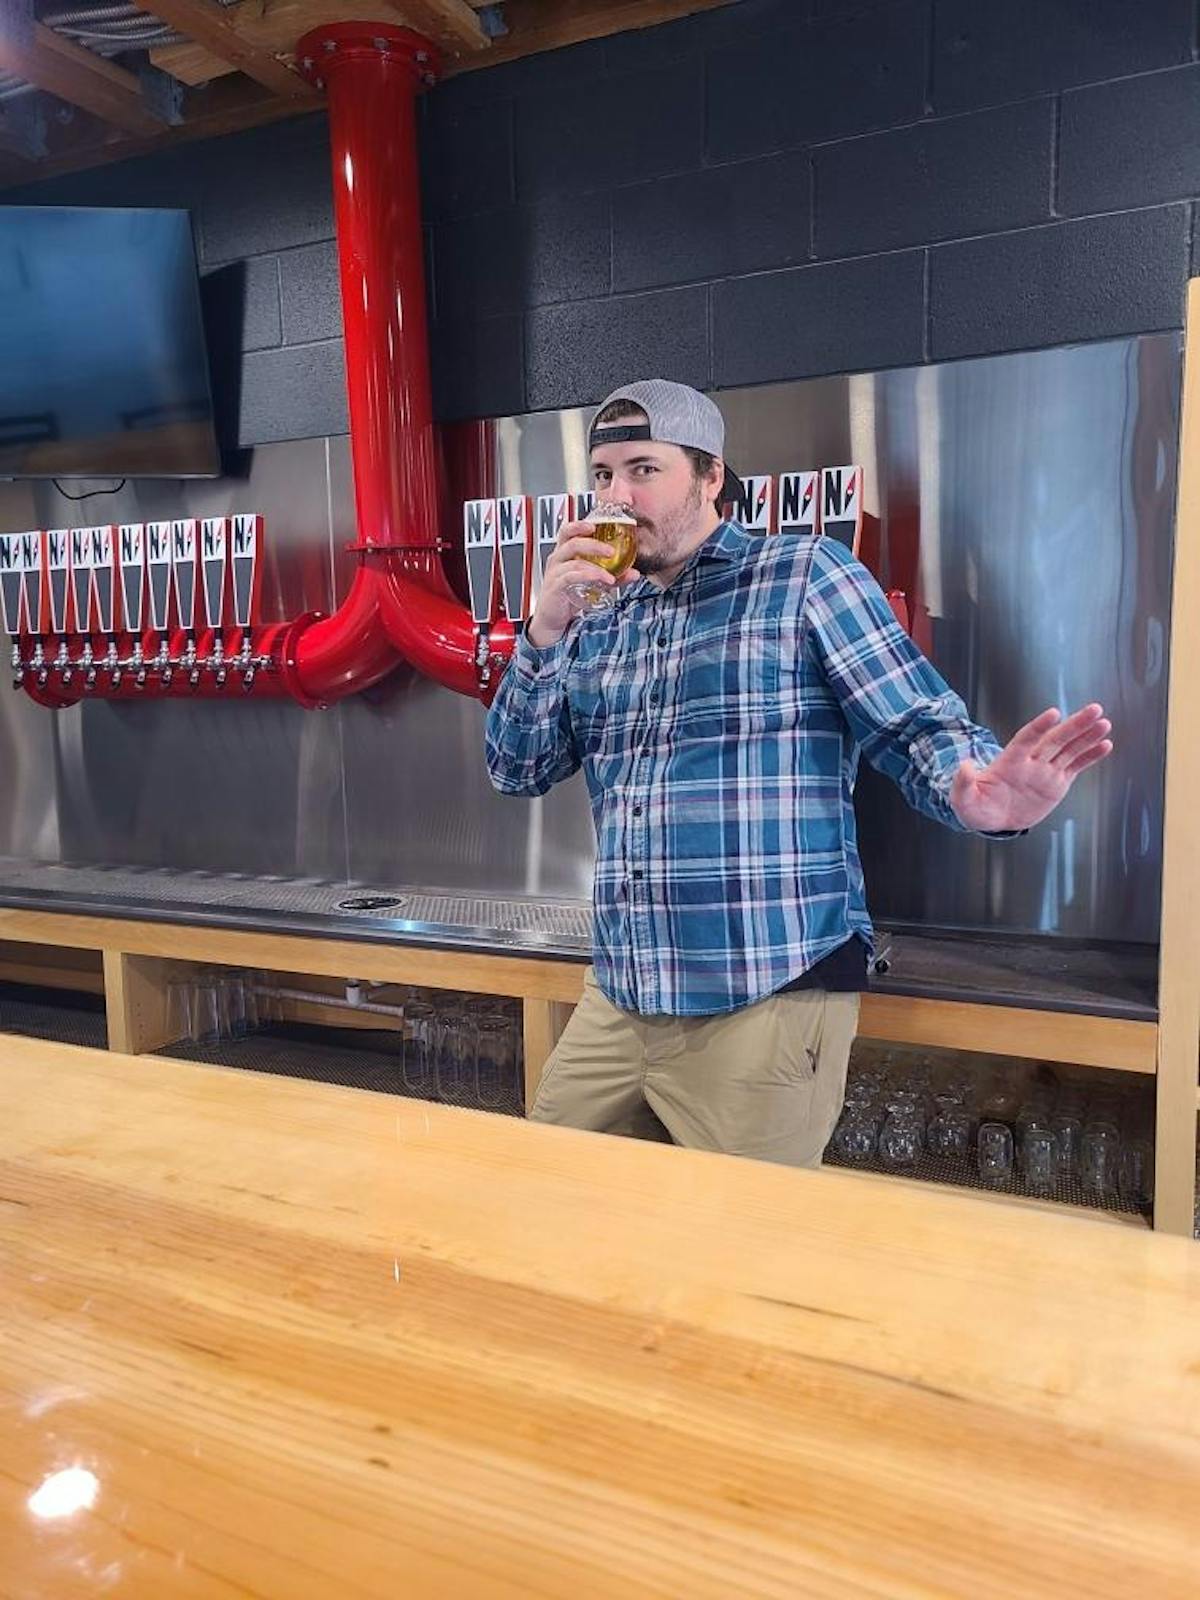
[{"x": 613, "y": 524}]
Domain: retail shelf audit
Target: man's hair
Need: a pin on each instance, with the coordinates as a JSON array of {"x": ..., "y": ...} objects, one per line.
[{"x": 619, "y": 410}]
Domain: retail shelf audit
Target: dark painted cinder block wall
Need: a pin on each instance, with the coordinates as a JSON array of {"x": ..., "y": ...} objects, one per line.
[{"x": 791, "y": 187}]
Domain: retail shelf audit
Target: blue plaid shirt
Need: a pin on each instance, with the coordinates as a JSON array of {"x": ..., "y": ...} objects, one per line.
[{"x": 718, "y": 723}]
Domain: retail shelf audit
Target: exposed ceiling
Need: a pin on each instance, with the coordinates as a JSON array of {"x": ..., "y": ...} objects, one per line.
[{"x": 99, "y": 80}]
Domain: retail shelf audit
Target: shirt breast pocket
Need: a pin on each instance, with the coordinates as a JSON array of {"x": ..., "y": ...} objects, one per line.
[{"x": 734, "y": 679}]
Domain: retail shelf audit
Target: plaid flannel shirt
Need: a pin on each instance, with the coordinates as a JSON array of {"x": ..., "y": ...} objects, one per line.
[{"x": 718, "y": 723}]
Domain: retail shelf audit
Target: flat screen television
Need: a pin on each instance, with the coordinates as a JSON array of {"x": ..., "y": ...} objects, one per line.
[{"x": 103, "y": 365}]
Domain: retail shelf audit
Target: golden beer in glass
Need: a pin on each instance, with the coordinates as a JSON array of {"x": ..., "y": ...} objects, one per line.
[{"x": 613, "y": 525}]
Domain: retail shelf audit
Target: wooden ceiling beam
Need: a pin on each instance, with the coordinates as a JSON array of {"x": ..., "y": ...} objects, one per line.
[
  {"x": 451, "y": 24},
  {"x": 537, "y": 25},
  {"x": 230, "y": 106},
  {"x": 62, "y": 68},
  {"x": 216, "y": 28}
]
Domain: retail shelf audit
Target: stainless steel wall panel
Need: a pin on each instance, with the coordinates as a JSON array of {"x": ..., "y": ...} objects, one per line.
[{"x": 1039, "y": 488}]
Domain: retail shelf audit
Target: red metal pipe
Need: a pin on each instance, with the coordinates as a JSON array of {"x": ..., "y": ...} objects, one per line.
[
  {"x": 400, "y": 605},
  {"x": 372, "y": 73}
]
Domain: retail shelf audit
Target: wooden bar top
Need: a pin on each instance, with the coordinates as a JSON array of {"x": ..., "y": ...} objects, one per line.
[{"x": 268, "y": 1338}]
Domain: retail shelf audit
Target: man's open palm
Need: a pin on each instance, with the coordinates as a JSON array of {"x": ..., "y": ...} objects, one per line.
[{"x": 1033, "y": 772}]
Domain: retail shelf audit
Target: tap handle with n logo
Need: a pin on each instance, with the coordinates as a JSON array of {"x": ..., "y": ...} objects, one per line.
[
  {"x": 131, "y": 540},
  {"x": 513, "y": 531},
  {"x": 479, "y": 543},
  {"x": 158, "y": 574},
  {"x": 799, "y": 502},
  {"x": 81, "y": 558},
  {"x": 12, "y": 588},
  {"x": 246, "y": 558},
  {"x": 183, "y": 571},
  {"x": 552, "y": 513},
  {"x": 214, "y": 563},
  {"x": 33, "y": 563},
  {"x": 58, "y": 575},
  {"x": 104, "y": 579},
  {"x": 842, "y": 506}
]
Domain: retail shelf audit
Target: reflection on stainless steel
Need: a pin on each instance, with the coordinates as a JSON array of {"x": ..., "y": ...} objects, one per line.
[{"x": 1026, "y": 504}]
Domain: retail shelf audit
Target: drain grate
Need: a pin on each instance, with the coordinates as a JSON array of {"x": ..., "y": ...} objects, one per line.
[{"x": 372, "y": 902}]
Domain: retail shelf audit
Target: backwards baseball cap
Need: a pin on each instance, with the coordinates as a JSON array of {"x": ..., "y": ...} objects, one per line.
[{"x": 676, "y": 415}]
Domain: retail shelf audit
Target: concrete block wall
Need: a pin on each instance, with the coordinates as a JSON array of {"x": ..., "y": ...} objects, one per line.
[{"x": 773, "y": 190}]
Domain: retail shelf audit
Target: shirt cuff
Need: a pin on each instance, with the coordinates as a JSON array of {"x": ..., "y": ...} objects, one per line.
[{"x": 533, "y": 663}]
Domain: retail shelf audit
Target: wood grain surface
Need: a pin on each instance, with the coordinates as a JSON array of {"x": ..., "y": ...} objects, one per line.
[{"x": 312, "y": 1342}]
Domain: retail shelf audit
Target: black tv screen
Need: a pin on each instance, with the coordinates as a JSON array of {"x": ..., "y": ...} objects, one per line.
[{"x": 103, "y": 366}]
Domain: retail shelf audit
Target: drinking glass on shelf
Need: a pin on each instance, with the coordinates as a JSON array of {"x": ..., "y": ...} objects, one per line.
[
  {"x": 949, "y": 1134},
  {"x": 455, "y": 1054},
  {"x": 994, "y": 1153},
  {"x": 495, "y": 1061},
  {"x": 208, "y": 1012},
  {"x": 234, "y": 1004},
  {"x": 901, "y": 1140},
  {"x": 1099, "y": 1154},
  {"x": 1068, "y": 1134},
  {"x": 1135, "y": 1172},
  {"x": 418, "y": 1049},
  {"x": 1039, "y": 1160},
  {"x": 180, "y": 1009},
  {"x": 854, "y": 1138}
]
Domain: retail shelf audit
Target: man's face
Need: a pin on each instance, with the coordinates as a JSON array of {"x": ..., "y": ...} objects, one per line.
[{"x": 670, "y": 503}]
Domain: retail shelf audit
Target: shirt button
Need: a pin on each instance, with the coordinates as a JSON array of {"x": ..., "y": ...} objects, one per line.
[
  {"x": 655, "y": 695},
  {"x": 638, "y": 873},
  {"x": 637, "y": 810}
]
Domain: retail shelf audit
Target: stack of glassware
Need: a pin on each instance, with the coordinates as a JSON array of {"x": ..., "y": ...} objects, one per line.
[
  {"x": 463, "y": 1049},
  {"x": 1014, "y": 1126}
]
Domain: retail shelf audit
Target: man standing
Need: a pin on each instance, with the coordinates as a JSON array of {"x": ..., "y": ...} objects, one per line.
[{"x": 718, "y": 711}]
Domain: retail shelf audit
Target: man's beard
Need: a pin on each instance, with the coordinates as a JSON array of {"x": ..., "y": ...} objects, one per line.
[{"x": 673, "y": 534}]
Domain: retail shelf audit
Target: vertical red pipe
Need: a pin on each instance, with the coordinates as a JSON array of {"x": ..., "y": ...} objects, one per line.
[{"x": 372, "y": 73}]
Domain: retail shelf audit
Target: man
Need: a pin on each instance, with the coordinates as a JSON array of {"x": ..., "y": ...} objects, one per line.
[{"x": 718, "y": 711}]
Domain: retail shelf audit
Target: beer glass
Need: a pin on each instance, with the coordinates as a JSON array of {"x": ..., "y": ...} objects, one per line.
[{"x": 613, "y": 525}]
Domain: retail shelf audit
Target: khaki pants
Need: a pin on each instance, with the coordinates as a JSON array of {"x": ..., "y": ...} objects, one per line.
[{"x": 766, "y": 1081}]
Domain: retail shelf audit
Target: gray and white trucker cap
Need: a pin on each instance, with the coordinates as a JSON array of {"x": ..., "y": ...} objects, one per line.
[{"x": 677, "y": 415}]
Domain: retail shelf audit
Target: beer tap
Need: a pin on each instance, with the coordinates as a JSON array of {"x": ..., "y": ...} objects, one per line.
[
  {"x": 87, "y": 660},
  {"x": 189, "y": 662},
  {"x": 137, "y": 662},
  {"x": 216, "y": 661},
  {"x": 62, "y": 663},
  {"x": 112, "y": 663},
  {"x": 18, "y": 666},
  {"x": 41, "y": 671},
  {"x": 164, "y": 667}
]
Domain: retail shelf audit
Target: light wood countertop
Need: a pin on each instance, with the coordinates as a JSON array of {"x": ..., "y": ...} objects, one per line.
[{"x": 316, "y": 1344}]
